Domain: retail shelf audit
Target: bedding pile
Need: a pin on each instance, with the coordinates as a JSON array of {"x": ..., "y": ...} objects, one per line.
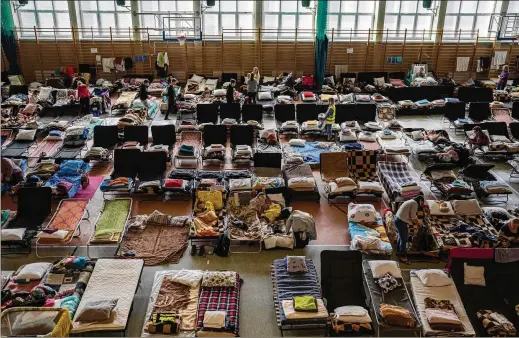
[
  {"x": 397, "y": 180},
  {"x": 208, "y": 214},
  {"x": 243, "y": 221},
  {"x": 367, "y": 230}
]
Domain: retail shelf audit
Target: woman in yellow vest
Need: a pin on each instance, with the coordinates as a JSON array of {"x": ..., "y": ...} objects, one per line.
[{"x": 330, "y": 118}]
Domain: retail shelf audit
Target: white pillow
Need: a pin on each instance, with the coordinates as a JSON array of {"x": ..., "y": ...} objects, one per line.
[
  {"x": 33, "y": 271},
  {"x": 417, "y": 135},
  {"x": 434, "y": 208},
  {"x": 269, "y": 79},
  {"x": 474, "y": 275},
  {"x": 13, "y": 234},
  {"x": 362, "y": 213},
  {"x": 352, "y": 314},
  {"x": 467, "y": 207},
  {"x": 347, "y": 138},
  {"x": 330, "y": 78},
  {"x": 364, "y": 136},
  {"x": 264, "y": 96},
  {"x": 54, "y": 137},
  {"x": 366, "y": 186},
  {"x": 219, "y": 92},
  {"x": 188, "y": 277},
  {"x": 196, "y": 78},
  {"x": 277, "y": 198},
  {"x": 439, "y": 174},
  {"x": 240, "y": 184},
  {"x": 433, "y": 277},
  {"x": 284, "y": 97},
  {"x": 347, "y": 98},
  {"x": 334, "y": 188},
  {"x": 379, "y": 81},
  {"x": 59, "y": 234},
  {"x": 26, "y": 135},
  {"x": 297, "y": 142},
  {"x": 211, "y": 82},
  {"x": 501, "y": 138},
  {"x": 189, "y": 96},
  {"x": 380, "y": 268}
]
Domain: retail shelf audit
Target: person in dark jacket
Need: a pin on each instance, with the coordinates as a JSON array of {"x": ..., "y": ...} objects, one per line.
[
  {"x": 172, "y": 102},
  {"x": 143, "y": 92},
  {"x": 230, "y": 91}
]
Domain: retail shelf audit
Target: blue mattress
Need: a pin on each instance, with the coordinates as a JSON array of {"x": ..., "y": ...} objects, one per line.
[
  {"x": 357, "y": 229},
  {"x": 310, "y": 153},
  {"x": 291, "y": 284}
]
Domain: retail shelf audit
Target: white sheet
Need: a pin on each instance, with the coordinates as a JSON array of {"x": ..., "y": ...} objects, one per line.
[
  {"x": 449, "y": 292},
  {"x": 111, "y": 279}
]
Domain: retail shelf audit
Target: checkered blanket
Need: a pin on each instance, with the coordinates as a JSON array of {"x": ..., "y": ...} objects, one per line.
[
  {"x": 220, "y": 299},
  {"x": 393, "y": 176},
  {"x": 362, "y": 165}
]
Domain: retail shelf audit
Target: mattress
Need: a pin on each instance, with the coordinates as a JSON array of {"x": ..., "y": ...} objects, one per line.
[
  {"x": 287, "y": 285},
  {"x": 67, "y": 217},
  {"x": 220, "y": 299},
  {"x": 397, "y": 297},
  {"x": 448, "y": 292},
  {"x": 111, "y": 222},
  {"x": 243, "y": 213},
  {"x": 188, "y": 313},
  {"x": 111, "y": 279},
  {"x": 502, "y": 115},
  {"x": 125, "y": 100},
  {"x": 310, "y": 152}
]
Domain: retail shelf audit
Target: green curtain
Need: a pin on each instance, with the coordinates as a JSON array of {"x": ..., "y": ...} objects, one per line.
[
  {"x": 8, "y": 38},
  {"x": 321, "y": 53}
]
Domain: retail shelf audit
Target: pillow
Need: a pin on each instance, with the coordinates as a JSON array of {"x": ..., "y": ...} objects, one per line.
[
  {"x": 380, "y": 268},
  {"x": 34, "y": 323},
  {"x": 440, "y": 174},
  {"x": 196, "y": 78},
  {"x": 367, "y": 137},
  {"x": 59, "y": 234},
  {"x": 433, "y": 277},
  {"x": 264, "y": 96},
  {"x": 219, "y": 92},
  {"x": 467, "y": 207},
  {"x": 96, "y": 310},
  {"x": 330, "y": 80},
  {"x": 26, "y": 135},
  {"x": 219, "y": 278},
  {"x": 362, "y": 213},
  {"x": 269, "y": 79},
  {"x": 188, "y": 277},
  {"x": 344, "y": 181},
  {"x": 284, "y": 97},
  {"x": 437, "y": 209},
  {"x": 54, "y": 137},
  {"x": 211, "y": 82},
  {"x": 347, "y": 80},
  {"x": 379, "y": 81},
  {"x": 335, "y": 189},
  {"x": 474, "y": 275},
  {"x": 189, "y": 96},
  {"x": 348, "y": 98},
  {"x": 240, "y": 184},
  {"x": 366, "y": 186},
  {"x": 501, "y": 138},
  {"x": 352, "y": 314},
  {"x": 417, "y": 135},
  {"x": 278, "y": 199},
  {"x": 308, "y": 95},
  {"x": 12, "y": 234},
  {"x": 347, "y": 137},
  {"x": 296, "y": 264},
  {"x": 387, "y": 283},
  {"x": 33, "y": 271},
  {"x": 297, "y": 142}
]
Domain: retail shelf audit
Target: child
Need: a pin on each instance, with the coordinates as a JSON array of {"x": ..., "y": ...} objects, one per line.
[
  {"x": 503, "y": 78},
  {"x": 84, "y": 97},
  {"x": 478, "y": 139}
]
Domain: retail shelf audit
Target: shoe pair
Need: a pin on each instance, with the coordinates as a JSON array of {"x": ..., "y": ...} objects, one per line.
[{"x": 201, "y": 251}]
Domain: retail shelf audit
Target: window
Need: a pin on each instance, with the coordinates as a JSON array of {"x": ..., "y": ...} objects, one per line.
[
  {"x": 231, "y": 16},
  {"x": 345, "y": 16},
  {"x": 410, "y": 15},
  {"x": 284, "y": 17},
  {"x": 470, "y": 16},
  {"x": 46, "y": 15},
  {"x": 97, "y": 16},
  {"x": 167, "y": 15}
]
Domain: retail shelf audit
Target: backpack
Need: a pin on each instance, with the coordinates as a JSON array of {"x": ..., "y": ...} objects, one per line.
[{"x": 222, "y": 245}]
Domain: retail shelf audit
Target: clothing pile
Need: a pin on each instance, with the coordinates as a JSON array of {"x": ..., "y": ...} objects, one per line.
[
  {"x": 215, "y": 151},
  {"x": 130, "y": 119},
  {"x": 243, "y": 152},
  {"x": 205, "y": 224},
  {"x": 410, "y": 189},
  {"x": 131, "y": 145},
  {"x": 117, "y": 184},
  {"x": 75, "y": 136},
  {"x": 44, "y": 170},
  {"x": 396, "y": 315},
  {"x": 16, "y": 99},
  {"x": 496, "y": 324},
  {"x": 303, "y": 223},
  {"x": 442, "y": 316},
  {"x": 289, "y": 126},
  {"x": 97, "y": 153},
  {"x": 186, "y": 150}
]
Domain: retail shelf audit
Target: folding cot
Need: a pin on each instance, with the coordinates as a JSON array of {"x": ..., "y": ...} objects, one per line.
[
  {"x": 125, "y": 168},
  {"x": 305, "y": 114},
  {"x": 300, "y": 182},
  {"x": 70, "y": 176},
  {"x": 396, "y": 297},
  {"x": 368, "y": 237},
  {"x": 193, "y": 140},
  {"x": 287, "y": 285},
  {"x": 393, "y": 147},
  {"x": 74, "y": 143},
  {"x": 398, "y": 182},
  {"x": 230, "y": 111},
  {"x": 46, "y": 148},
  {"x": 337, "y": 286},
  {"x": 136, "y": 134},
  {"x": 105, "y": 137},
  {"x": 424, "y": 295},
  {"x": 311, "y": 151},
  {"x": 104, "y": 284},
  {"x": 416, "y": 139},
  {"x": 163, "y": 135},
  {"x": 163, "y": 290},
  {"x": 501, "y": 143},
  {"x": 18, "y": 147},
  {"x": 151, "y": 172},
  {"x": 65, "y": 222},
  {"x": 242, "y": 222},
  {"x": 267, "y": 173},
  {"x": 214, "y": 135},
  {"x": 484, "y": 182},
  {"x": 454, "y": 114},
  {"x": 34, "y": 206},
  {"x": 241, "y": 135},
  {"x": 252, "y": 112},
  {"x": 215, "y": 177},
  {"x": 479, "y": 111},
  {"x": 224, "y": 298},
  {"x": 206, "y": 113},
  {"x": 333, "y": 166},
  {"x": 441, "y": 176},
  {"x": 208, "y": 216},
  {"x": 362, "y": 169},
  {"x": 111, "y": 224},
  {"x": 123, "y": 102},
  {"x": 268, "y": 142},
  {"x": 285, "y": 115}
]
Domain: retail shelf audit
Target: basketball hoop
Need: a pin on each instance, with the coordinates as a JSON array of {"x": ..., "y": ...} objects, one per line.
[{"x": 181, "y": 39}]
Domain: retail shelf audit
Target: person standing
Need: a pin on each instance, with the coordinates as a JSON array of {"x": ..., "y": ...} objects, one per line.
[
  {"x": 256, "y": 73},
  {"x": 84, "y": 98},
  {"x": 503, "y": 78},
  {"x": 407, "y": 215},
  {"x": 330, "y": 118},
  {"x": 143, "y": 92},
  {"x": 252, "y": 88},
  {"x": 229, "y": 95},
  {"x": 172, "y": 99}
]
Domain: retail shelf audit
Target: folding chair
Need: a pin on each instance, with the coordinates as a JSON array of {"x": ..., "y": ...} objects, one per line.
[
  {"x": 164, "y": 135},
  {"x": 206, "y": 113},
  {"x": 284, "y": 113},
  {"x": 230, "y": 111},
  {"x": 479, "y": 111},
  {"x": 515, "y": 110},
  {"x": 136, "y": 134},
  {"x": 214, "y": 134},
  {"x": 151, "y": 167},
  {"x": 241, "y": 135}
]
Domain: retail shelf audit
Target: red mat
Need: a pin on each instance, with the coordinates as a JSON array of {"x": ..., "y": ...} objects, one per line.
[{"x": 94, "y": 183}]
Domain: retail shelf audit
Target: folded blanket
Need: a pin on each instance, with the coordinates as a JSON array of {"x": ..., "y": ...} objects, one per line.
[
  {"x": 291, "y": 313},
  {"x": 305, "y": 303}
]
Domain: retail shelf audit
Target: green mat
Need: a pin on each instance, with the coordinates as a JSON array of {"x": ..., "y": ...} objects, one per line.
[{"x": 113, "y": 218}]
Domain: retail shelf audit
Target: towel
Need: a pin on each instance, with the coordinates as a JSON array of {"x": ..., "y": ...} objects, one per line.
[
  {"x": 305, "y": 303},
  {"x": 499, "y": 58},
  {"x": 462, "y": 63}
]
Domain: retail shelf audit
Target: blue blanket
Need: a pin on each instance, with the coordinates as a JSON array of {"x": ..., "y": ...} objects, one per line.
[
  {"x": 69, "y": 171},
  {"x": 310, "y": 152},
  {"x": 357, "y": 229}
]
